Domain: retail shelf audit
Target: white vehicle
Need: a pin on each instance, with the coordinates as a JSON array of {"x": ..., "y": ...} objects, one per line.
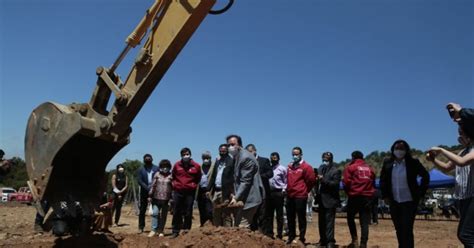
[
  {"x": 431, "y": 202},
  {"x": 6, "y": 192}
]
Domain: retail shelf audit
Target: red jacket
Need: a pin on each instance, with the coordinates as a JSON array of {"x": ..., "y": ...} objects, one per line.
[
  {"x": 301, "y": 180},
  {"x": 186, "y": 178},
  {"x": 359, "y": 179}
]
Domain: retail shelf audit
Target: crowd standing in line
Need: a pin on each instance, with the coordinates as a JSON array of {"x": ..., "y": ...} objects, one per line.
[{"x": 243, "y": 189}]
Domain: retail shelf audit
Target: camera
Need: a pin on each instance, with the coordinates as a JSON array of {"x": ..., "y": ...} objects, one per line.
[{"x": 450, "y": 110}]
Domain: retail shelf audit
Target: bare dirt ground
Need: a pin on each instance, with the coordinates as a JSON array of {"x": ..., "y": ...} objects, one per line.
[{"x": 16, "y": 230}]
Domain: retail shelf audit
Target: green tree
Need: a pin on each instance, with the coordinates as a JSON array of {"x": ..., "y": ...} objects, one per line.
[{"x": 17, "y": 176}]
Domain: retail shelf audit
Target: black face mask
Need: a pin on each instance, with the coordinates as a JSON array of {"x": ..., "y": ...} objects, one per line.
[
  {"x": 147, "y": 162},
  {"x": 223, "y": 155},
  {"x": 275, "y": 162}
]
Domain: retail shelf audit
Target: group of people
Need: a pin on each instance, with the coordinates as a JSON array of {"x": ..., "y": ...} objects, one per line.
[{"x": 242, "y": 189}]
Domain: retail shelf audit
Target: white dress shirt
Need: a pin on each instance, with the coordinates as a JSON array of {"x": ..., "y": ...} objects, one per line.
[{"x": 400, "y": 190}]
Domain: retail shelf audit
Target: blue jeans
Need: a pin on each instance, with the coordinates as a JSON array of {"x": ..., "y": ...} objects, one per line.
[{"x": 160, "y": 212}]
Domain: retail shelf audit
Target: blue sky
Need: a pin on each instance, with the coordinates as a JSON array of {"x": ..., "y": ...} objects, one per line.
[{"x": 323, "y": 75}]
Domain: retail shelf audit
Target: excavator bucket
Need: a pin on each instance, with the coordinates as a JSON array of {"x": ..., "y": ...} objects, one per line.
[{"x": 66, "y": 154}]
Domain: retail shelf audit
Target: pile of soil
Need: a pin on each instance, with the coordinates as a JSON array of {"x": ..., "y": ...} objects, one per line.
[
  {"x": 209, "y": 236},
  {"x": 205, "y": 237}
]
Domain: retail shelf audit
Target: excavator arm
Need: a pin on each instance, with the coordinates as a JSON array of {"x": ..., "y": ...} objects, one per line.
[{"x": 67, "y": 147}]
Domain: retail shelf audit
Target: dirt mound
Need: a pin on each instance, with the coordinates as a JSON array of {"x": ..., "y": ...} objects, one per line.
[
  {"x": 205, "y": 237},
  {"x": 208, "y": 236}
]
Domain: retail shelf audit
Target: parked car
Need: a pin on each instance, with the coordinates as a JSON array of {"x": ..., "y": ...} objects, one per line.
[
  {"x": 449, "y": 208},
  {"x": 23, "y": 195},
  {"x": 431, "y": 202},
  {"x": 6, "y": 192}
]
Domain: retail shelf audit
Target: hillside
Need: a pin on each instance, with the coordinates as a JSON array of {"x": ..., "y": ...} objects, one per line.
[{"x": 376, "y": 158}]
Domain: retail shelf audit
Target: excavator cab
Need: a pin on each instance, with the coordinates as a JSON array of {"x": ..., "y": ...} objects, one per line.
[{"x": 67, "y": 147}]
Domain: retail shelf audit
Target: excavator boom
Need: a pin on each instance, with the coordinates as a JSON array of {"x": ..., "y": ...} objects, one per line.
[{"x": 67, "y": 147}]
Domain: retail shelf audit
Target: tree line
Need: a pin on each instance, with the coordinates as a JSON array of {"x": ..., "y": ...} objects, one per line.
[{"x": 18, "y": 176}]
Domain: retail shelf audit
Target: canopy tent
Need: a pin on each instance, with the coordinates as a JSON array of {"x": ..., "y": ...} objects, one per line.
[
  {"x": 440, "y": 180},
  {"x": 437, "y": 180}
]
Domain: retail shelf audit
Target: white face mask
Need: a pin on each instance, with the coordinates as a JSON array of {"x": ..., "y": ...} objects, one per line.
[
  {"x": 121, "y": 170},
  {"x": 325, "y": 162},
  {"x": 186, "y": 158},
  {"x": 233, "y": 150},
  {"x": 399, "y": 153}
]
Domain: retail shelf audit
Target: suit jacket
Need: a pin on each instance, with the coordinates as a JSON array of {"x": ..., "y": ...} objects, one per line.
[
  {"x": 328, "y": 195},
  {"x": 266, "y": 172},
  {"x": 143, "y": 178},
  {"x": 414, "y": 169},
  {"x": 247, "y": 181},
  {"x": 227, "y": 186}
]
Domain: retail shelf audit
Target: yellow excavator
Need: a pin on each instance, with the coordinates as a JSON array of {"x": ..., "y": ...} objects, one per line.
[{"x": 67, "y": 147}]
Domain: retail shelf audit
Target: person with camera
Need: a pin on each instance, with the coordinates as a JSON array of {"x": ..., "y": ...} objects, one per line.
[
  {"x": 463, "y": 164},
  {"x": 463, "y": 116}
]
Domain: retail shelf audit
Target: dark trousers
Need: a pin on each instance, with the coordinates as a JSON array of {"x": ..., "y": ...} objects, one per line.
[
  {"x": 403, "y": 218},
  {"x": 466, "y": 222},
  {"x": 117, "y": 207},
  {"x": 362, "y": 206},
  {"x": 327, "y": 217},
  {"x": 375, "y": 211},
  {"x": 39, "y": 219},
  {"x": 275, "y": 203},
  {"x": 204, "y": 206},
  {"x": 296, "y": 207},
  {"x": 143, "y": 206},
  {"x": 259, "y": 221},
  {"x": 183, "y": 210}
]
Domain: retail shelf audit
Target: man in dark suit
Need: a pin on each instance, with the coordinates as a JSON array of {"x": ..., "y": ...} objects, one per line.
[
  {"x": 328, "y": 199},
  {"x": 261, "y": 220},
  {"x": 221, "y": 186},
  {"x": 400, "y": 189},
  {"x": 145, "y": 176},
  {"x": 249, "y": 190}
]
